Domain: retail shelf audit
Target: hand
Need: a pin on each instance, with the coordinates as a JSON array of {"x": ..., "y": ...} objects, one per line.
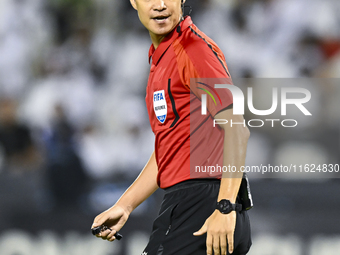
[
  {"x": 220, "y": 229},
  {"x": 114, "y": 218}
]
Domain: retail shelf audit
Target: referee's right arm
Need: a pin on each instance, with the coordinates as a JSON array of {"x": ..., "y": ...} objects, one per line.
[{"x": 143, "y": 187}]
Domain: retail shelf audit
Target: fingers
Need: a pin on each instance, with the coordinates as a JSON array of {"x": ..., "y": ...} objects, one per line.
[
  {"x": 202, "y": 231},
  {"x": 220, "y": 233},
  {"x": 209, "y": 243},
  {"x": 108, "y": 234},
  {"x": 104, "y": 234},
  {"x": 95, "y": 224},
  {"x": 111, "y": 236},
  {"x": 223, "y": 244},
  {"x": 98, "y": 221},
  {"x": 230, "y": 238},
  {"x": 109, "y": 222},
  {"x": 216, "y": 245}
]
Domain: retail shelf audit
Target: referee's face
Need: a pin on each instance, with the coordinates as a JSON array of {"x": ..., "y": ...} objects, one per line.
[{"x": 160, "y": 17}]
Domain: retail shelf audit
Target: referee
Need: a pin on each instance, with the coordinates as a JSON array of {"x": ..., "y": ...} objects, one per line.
[{"x": 201, "y": 213}]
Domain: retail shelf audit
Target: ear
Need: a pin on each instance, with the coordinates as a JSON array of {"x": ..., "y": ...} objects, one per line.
[{"x": 133, "y": 3}]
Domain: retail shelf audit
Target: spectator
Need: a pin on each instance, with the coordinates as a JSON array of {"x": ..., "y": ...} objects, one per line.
[{"x": 15, "y": 138}]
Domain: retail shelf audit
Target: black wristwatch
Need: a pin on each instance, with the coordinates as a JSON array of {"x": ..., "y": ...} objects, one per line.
[{"x": 225, "y": 206}]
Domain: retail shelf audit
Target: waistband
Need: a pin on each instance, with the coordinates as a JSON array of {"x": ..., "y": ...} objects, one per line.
[{"x": 191, "y": 183}]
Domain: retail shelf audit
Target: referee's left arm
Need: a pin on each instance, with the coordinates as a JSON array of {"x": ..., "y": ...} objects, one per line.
[{"x": 220, "y": 227}]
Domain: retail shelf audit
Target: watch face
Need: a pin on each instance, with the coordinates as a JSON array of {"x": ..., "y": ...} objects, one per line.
[{"x": 224, "y": 206}]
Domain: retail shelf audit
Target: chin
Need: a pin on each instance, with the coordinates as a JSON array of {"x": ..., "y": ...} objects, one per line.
[{"x": 163, "y": 31}]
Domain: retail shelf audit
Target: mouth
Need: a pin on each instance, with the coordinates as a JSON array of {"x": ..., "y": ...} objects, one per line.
[{"x": 161, "y": 18}]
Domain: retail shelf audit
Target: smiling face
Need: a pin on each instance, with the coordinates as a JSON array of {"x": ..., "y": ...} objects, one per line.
[{"x": 160, "y": 17}]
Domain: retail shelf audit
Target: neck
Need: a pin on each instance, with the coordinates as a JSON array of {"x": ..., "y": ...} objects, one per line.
[{"x": 156, "y": 40}]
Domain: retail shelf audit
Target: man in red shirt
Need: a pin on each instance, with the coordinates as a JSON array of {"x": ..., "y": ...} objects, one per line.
[{"x": 201, "y": 212}]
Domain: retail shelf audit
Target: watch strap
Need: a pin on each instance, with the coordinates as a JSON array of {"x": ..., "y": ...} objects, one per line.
[
  {"x": 237, "y": 207},
  {"x": 233, "y": 207}
]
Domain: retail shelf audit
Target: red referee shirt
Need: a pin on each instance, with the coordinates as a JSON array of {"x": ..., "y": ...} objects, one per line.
[{"x": 183, "y": 136}]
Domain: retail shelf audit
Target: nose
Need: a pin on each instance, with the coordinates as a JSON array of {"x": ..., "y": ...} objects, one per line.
[{"x": 159, "y": 5}]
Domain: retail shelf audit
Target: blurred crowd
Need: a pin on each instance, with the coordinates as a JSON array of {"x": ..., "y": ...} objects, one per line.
[{"x": 73, "y": 75}]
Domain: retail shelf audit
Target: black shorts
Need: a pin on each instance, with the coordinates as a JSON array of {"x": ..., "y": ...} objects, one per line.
[{"x": 184, "y": 209}]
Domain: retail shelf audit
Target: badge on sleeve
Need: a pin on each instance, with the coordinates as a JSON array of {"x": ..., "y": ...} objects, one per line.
[{"x": 159, "y": 105}]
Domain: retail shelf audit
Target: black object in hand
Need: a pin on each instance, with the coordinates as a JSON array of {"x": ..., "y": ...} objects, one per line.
[{"x": 97, "y": 230}]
